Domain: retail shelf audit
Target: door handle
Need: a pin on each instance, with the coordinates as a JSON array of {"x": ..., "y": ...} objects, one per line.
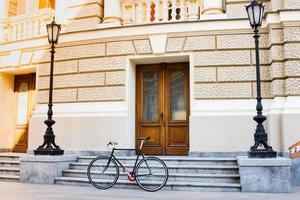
[{"x": 161, "y": 116}]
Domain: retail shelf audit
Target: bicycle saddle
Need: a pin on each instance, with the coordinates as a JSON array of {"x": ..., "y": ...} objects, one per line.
[{"x": 143, "y": 138}]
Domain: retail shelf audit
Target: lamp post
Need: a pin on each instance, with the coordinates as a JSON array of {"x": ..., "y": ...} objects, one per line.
[
  {"x": 255, "y": 13},
  {"x": 49, "y": 147}
]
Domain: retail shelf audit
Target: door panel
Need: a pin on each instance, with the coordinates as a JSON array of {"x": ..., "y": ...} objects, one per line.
[
  {"x": 24, "y": 92},
  {"x": 162, "y": 108},
  {"x": 149, "y": 108},
  {"x": 177, "y": 135},
  {"x": 177, "y": 109}
]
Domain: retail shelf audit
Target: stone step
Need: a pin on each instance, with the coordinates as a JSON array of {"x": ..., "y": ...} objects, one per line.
[
  {"x": 186, "y": 186},
  {"x": 173, "y": 160},
  {"x": 9, "y": 157},
  {"x": 9, "y": 171},
  {"x": 201, "y": 178},
  {"x": 191, "y": 169},
  {"x": 9, "y": 178},
  {"x": 9, "y": 163}
]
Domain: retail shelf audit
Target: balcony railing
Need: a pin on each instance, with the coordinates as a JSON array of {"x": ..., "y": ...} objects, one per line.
[
  {"x": 26, "y": 26},
  {"x": 133, "y": 12},
  {"x": 155, "y": 11}
]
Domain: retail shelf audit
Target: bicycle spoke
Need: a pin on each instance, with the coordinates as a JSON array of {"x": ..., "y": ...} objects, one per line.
[{"x": 142, "y": 175}]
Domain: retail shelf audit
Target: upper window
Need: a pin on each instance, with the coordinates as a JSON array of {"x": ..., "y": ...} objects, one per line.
[
  {"x": 47, "y": 4},
  {"x": 12, "y": 8},
  {"x": 21, "y": 7}
]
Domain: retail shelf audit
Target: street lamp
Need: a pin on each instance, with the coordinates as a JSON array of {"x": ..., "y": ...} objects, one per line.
[
  {"x": 255, "y": 13},
  {"x": 49, "y": 147}
]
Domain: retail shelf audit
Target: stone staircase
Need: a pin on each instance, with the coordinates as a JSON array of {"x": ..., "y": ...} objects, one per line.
[
  {"x": 185, "y": 173},
  {"x": 9, "y": 167}
]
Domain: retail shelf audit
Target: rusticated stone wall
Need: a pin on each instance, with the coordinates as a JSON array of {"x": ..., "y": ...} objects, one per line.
[
  {"x": 236, "y": 8},
  {"x": 291, "y": 50},
  {"x": 86, "y": 73},
  {"x": 224, "y": 65}
]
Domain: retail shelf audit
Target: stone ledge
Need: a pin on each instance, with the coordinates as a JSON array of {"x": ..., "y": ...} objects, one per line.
[
  {"x": 47, "y": 159},
  {"x": 244, "y": 161}
]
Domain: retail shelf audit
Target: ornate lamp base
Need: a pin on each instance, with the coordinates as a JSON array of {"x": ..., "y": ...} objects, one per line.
[
  {"x": 50, "y": 152},
  {"x": 49, "y": 147},
  {"x": 262, "y": 153}
]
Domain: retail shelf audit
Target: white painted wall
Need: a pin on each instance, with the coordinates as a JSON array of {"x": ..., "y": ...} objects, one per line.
[
  {"x": 82, "y": 126},
  {"x": 215, "y": 125}
]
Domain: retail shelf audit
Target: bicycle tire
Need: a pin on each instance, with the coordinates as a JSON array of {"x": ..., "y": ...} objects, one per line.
[
  {"x": 101, "y": 176},
  {"x": 158, "y": 169}
]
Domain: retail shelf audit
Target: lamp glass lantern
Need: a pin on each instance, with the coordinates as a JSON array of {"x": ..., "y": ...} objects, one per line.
[
  {"x": 255, "y": 13},
  {"x": 53, "y": 30}
]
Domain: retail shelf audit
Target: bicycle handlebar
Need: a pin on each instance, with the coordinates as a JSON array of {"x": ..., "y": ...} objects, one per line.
[
  {"x": 111, "y": 143},
  {"x": 114, "y": 144}
]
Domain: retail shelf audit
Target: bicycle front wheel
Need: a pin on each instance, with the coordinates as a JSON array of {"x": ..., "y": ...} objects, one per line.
[
  {"x": 151, "y": 174},
  {"x": 103, "y": 172}
]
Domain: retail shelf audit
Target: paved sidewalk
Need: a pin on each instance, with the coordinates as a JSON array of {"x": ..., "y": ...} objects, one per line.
[{"x": 21, "y": 191}]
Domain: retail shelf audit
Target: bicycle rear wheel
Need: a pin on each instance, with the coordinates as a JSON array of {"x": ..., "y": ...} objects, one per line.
[
  {"x": 151, "y": 174},
  {"x": 103, "y": 172}
]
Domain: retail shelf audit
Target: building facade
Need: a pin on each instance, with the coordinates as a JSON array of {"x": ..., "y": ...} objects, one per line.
[{"x": 179, "y": 71}]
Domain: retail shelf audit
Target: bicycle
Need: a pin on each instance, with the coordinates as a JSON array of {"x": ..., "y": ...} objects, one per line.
[{"x": 150, "y": 173}]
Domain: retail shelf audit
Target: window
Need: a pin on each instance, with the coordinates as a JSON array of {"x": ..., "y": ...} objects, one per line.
[
  {"x": 47, "y": 4},
  {"x": 12, "y": 8}
]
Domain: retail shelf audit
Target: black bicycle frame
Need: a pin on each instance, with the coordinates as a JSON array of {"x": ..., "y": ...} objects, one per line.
[{"x": 138, "y": 151}]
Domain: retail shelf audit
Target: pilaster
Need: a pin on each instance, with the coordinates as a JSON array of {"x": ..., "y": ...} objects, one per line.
[
  {"x": 3, "y": 9},
  {"x": 83, "y": 14},
  {"x": 213, "y": 7},
  {"x": 112, "y": 12}
]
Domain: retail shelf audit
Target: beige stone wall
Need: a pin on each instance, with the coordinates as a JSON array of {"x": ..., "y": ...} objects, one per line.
[
  {"x": 222, "y": 60},
  {"x": 236, "y": 8},
  {"x": 224, "y": 68},
  {"x": 291, "y": 51},
  {"x": 224, "y": 65},
  {"x": 275, "y": 5},
  {"x": 85, "y": 73}
]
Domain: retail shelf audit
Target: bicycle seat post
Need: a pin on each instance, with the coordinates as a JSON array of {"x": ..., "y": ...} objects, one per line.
[{"x": 142, "y": 143}]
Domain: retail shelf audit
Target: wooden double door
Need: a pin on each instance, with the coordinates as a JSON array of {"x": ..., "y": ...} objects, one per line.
[{"x": 162, "y": 108}]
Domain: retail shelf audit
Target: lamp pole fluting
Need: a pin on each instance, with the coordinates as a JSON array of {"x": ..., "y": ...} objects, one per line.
[
  {"x": 49, "y": 146},
  {"x": 255, "y": 13}
]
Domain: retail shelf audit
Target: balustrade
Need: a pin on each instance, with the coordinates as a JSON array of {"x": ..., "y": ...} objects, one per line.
[
  {"x": 116, "y": 13},
  {"x": 26, "y": 26},
  {"x": 155, "y": 11}
]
